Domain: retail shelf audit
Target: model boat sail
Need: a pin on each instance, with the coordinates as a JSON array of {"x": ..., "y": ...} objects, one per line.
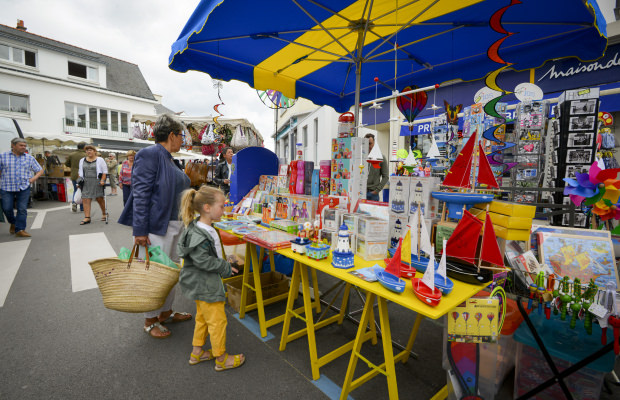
[
  {"x": 420, "y": 242},
  {"x": 442, "y": 282},
  {"x": 375, "y": 157},
  {"x": 411, "y": 162},
  {"x": 424, "y": 288},
  {"x": 390, "y": 277},
  {"x": 433, "y": 152},
  {"x": 406, "y": 270},
  {"x": 470, "y": 161},
  {"x": 466, "y": 250}
]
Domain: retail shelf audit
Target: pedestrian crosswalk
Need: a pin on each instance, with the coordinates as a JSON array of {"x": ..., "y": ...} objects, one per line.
[
  {"x": 12, "y": 255},
  {"x": 84, "y": 248}
]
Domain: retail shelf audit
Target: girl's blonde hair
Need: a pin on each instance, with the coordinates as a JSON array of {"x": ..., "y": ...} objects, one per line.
[{"x": 193, "y": 200}]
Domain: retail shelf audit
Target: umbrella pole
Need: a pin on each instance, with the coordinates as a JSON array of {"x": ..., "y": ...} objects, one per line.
[{"x": 358, "y": 82}]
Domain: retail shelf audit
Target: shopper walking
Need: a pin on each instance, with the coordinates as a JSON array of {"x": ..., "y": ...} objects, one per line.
[
  {"x": 124, "y": 181},
  {"x": 153, "y": 208},
  {"x": 377, "y": 177},
  {"x": 73, "y": 161},
  {"x": 224, "y": 170},
  {"x": 202, "y": 273},
  {"x": 16, "y": 176},
  {"x": 112, "y": 165},
  {"x": 92, "y": 171}
]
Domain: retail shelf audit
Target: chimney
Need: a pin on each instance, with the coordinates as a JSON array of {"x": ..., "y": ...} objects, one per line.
[{"x": 20, "y": 25}]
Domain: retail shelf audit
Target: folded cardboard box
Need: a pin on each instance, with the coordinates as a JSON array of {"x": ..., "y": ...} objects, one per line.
[{"x": 273, "y": 284}]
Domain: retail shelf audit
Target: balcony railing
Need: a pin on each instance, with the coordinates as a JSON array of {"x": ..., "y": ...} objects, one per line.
[{"x": 84, "y": 128}]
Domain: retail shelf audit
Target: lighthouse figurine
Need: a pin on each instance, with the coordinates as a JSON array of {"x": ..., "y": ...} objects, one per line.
[
  {"x": 417, "y": 199},
  {"x": 342, "y": 256}
]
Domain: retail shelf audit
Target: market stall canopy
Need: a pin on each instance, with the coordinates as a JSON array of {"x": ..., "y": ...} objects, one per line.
[
  {"x": 48, "y": 139},
  {"x": 201, "y": 121},
  {"x": 331, "y": 51}
]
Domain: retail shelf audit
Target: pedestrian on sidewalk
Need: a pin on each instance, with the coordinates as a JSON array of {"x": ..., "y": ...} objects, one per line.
[
  {"x": 16, "y": 175},
  {"x": 202, "y": 273},
  {"x": 73, "y": 161},
  {"x": 112, "y": 172},
  {"x": 124, "y": 181},
  {"x": 152, "y": 208},
  {"x": 92, "y": 171}
]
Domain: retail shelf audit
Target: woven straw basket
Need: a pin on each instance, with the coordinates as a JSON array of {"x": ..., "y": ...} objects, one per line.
[{"x": 133, "y": 286}]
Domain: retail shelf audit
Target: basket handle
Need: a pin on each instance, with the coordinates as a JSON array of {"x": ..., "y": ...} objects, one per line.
[{"x": 135, "y": 251}]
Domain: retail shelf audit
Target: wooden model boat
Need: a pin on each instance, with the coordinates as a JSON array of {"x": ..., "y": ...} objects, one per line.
[{"x": 424, "y": 288}]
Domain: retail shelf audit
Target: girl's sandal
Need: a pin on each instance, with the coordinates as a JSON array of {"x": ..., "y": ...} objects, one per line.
[
  {"x": 221, "y": 366},
  {"x": 198, "y": 358}
]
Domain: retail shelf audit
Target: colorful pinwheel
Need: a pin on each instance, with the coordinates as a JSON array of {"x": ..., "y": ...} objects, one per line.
[{"x": 599, "y": 188}]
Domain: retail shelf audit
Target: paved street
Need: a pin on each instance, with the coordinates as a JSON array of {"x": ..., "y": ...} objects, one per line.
[{"x": 59, "y": 342}]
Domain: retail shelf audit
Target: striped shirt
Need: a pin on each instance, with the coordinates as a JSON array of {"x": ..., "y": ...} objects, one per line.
[{"x": 15, "y": 171}]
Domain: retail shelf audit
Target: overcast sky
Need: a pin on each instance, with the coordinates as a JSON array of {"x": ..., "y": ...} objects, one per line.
[{"x": 140, "y": 32}]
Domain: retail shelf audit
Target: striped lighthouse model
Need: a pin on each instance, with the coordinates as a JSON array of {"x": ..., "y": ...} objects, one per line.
[{"x": 342, "y": 256}]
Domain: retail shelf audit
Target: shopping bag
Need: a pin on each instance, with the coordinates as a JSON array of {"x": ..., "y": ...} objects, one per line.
[
  {"x": 158, "y": 255},
  {"x": 77, "y": 197}
]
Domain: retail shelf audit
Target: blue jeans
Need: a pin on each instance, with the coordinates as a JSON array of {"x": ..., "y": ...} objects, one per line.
[
  {"x": 20, "y": 200},
  {"x": 372, "y": 196},
  {"x": 74, "y": 189}
]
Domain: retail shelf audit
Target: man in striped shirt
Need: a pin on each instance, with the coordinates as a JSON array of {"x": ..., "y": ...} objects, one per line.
[{"x": 16, "y": 175}]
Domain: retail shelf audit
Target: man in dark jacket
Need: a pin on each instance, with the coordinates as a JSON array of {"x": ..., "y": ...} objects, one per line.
[
  {"x": 377, "y": 177},
  {"x": 224, "y": 170},
  {"x": 73, "y": 161}
]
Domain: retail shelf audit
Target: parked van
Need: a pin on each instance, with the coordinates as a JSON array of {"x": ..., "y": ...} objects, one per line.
[{"x": 9, "y": 129}]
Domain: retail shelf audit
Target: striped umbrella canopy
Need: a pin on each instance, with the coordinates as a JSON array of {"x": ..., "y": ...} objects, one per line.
[{"x": 330, "y": 51}]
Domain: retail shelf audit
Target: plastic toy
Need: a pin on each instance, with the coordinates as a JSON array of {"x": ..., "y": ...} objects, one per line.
[{"x": 342, "y": 256}]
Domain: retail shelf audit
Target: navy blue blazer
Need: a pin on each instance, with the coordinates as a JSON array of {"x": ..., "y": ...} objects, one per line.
[{"x": 149, "y": 206}]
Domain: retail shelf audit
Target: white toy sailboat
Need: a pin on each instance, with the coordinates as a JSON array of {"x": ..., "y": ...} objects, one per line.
[
  {"x": 410, "y": 163},
  {"x": 420, "y": 242},
  {"x": 433, "y": 152},
  {"x": 442, "y": 282},
  {"x": 424, "y": 288},
  {"x": 375, "y": 157}
]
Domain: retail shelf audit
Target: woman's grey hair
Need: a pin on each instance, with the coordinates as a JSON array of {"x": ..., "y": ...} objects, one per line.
[{"x": 165, "y": 124}]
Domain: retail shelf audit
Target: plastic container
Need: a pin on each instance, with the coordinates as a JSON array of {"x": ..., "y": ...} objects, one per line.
[
  {"x": 346, "y": 125},
  {"x": 566, "y": 346}
]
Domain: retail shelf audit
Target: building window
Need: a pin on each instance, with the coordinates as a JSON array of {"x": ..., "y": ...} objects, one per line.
[
  {"x": 316, "y": 141},
  {"x": 83, "y": 116},
  {"x": 103, "y": 119},
  {"x": 124, "y": 122},
  {"x": 305, "y": 135},
  {"x": 14, "y": 103},
  {"x": 18, "y": 56},
  {"x": 83, "y": 71}
]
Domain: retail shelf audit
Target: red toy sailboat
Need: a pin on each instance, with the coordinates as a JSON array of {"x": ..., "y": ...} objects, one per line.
[
  {"x": 460, "y": 177},
  {"x": 424, "y": 288},
  {"x": 390, "y": 277},
  {"x": 471, "y": 253}
]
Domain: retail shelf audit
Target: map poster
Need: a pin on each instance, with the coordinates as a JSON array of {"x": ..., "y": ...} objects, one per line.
[{"x": 584, "y": 257}]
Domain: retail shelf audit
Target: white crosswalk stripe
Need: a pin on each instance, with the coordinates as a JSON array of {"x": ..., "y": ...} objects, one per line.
[
  {"x": 85, "y": 248},
  {"x": 12, "y": 255}
]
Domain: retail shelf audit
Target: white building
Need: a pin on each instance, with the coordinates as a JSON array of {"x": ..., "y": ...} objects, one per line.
[
  {"x": 314, "y": 127},
  {"x": 53, "y": 88}
]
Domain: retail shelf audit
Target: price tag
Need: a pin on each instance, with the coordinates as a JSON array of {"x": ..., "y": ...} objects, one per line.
[{"x": 598, "y": 310}]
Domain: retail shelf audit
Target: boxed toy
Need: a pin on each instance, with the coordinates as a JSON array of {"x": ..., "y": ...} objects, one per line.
[
  {"x": 331, "y": 219},
  {"x": 371, "y": 249},
  {"x": 373, "y": 228},
  {"x": 399, "y": 194},
  {"x": 350, "y": 220},
  {"x": 420, "y": 190}
]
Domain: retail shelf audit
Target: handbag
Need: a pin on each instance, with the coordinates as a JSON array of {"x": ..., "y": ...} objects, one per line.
[
  {"x": 240, "y": 139},
  {"x": 208, "y": 137},
  {"x": 136, "y": 285}
]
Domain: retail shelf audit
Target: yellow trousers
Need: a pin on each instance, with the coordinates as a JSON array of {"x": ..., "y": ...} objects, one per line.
[{"x": 211, "y": 320}]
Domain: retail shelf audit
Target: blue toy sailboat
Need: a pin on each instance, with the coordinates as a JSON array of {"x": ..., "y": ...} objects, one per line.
[
  {"x": 442, "y": 282},
  {"x": 420, "y": 242},
  {"x": 390, "y": 276}
]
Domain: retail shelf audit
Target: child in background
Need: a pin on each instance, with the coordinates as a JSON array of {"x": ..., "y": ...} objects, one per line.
[{"x": 201, "y": 276}]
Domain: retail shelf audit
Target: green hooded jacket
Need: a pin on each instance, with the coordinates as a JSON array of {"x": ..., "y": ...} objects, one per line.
[{"x": 202, "y": 272}]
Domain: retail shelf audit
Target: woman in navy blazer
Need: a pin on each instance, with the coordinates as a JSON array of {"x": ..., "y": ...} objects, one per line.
[{"x": 152, "y": 209}]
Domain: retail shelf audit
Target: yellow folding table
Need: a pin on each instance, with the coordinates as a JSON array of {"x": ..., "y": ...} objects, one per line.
[{"x": 366, "y": 330}]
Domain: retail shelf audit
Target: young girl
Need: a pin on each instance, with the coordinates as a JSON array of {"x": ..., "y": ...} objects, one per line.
[{"x": 202, "y": 273}]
